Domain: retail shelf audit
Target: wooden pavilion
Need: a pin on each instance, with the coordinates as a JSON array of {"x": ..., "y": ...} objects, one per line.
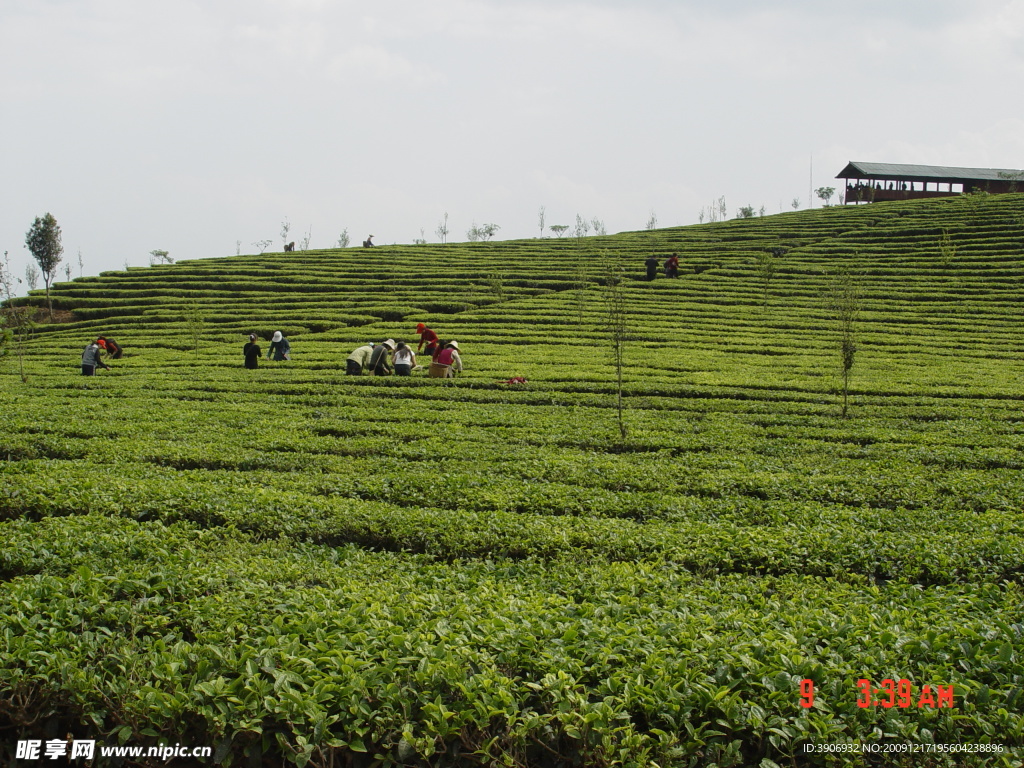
[{"x": 867, "y": 182}]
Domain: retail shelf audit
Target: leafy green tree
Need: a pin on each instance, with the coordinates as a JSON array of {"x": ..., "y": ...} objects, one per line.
[
  {"x": 746, "y": 212},
  {"x": 825, "y": 194},
  {"x": 43, "y": 241}
]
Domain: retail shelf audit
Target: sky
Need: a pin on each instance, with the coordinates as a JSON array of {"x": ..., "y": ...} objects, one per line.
[{"x": 199, "y": 127}]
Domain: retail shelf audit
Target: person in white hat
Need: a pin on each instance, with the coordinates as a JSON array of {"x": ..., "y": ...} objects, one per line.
[
  {"x": 449, "y": 356},
  {"x": 280, "y": 347},
  {"x": 379, "y": 365}
]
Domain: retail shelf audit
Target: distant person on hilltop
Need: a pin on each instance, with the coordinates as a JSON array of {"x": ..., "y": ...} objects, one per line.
[
  {"x": 672, "y": 266},
  {"x": 429, "y": 338},
  {"x": 280, "y": 347},
  {"x": 368, "y": 242},
  {"x": 252, "y": 352},
  {"x": 652, "y": 265},
  {"x": 91, "y": 359}
]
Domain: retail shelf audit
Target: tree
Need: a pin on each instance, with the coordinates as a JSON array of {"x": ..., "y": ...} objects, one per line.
[
  {"x": 795, "y": 205},
  {"x": 559, "y": 229},
  {"x": 825, "y": 193},
  {"x": 286, "y": 228},
  {"x": 582, "y": 227},
  {"x": 598, "y": 227},
  {"x": 483, "y": 232},
  {"x": 343, "y": 239},
  {"x": 540, "y": 220},
  {"x": 159, "y": 257},
  {"x": 844, "y": 301},
  {"x": 15, "y": 320},
  {"x": 618, "y": 329},
  {"x": 43, "y": 241},
  {"x": 304, "y": 243},
  {"x": 746, "y": 212},
  {"x": 195, "y": 323},
  {"x": 766, "y": 265},
  {"x": 31, "y": 276},
  {"x": 947, "y": 249},
  {"x": 442, "y": 229}
]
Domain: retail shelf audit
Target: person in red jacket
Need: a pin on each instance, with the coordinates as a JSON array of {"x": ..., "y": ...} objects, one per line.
[
  {"x": 429, "y": 338},
  {"x": 672, "y": 266}
]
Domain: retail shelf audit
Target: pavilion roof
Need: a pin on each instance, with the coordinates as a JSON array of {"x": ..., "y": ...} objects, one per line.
[{"x": 859, "y": 170}]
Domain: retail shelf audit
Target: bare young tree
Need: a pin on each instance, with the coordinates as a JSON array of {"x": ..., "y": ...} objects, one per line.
[
  {"x": 286, "y": 228},
  {"x": 767, "y": 262},
  {"x": 304, "y": 243},
  {"x": 540, "y": 220},
  {"x": 844, "y": 301},
  {"x": 598, "y": 226},
  {"x": 343, "y": 238},
  {"x": 16, "y": 324},
  {"x": 582, "y": 227},
  {"x": 618, "y": 330},
  {"x": 195, "y": 323},
  {"x": 31, "y": 275},
  {"x": 442, "y": 229}
]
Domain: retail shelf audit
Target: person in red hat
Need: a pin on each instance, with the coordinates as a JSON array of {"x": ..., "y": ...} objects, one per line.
[{"x": 429, "y": 338}]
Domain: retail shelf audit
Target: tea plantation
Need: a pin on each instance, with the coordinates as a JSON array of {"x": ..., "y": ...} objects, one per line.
[{"x": 295, "y": 566}]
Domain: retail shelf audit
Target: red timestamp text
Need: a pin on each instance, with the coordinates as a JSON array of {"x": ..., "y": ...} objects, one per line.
[{"x": 890, "y": 693}]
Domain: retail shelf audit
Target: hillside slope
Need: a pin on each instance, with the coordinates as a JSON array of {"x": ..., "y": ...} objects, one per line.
[{"x": 295, "y": 563}]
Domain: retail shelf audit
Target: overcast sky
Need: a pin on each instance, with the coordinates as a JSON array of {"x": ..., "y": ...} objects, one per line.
[{"x": 190, "y": 126}]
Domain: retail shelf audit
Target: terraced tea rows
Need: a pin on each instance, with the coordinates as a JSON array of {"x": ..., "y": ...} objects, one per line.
[{"x": 386, "y": 570}]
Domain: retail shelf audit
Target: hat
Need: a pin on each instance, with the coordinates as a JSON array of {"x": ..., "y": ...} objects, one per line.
[
  {"x": 452, "y": 344},
  {"x": 277, "y": 336},
  {"x": 101, "y": 342},
  {"x": 252, "y": 337},
  {"x": 390, "y": 344},
  {"x": 420, "y": 327}
]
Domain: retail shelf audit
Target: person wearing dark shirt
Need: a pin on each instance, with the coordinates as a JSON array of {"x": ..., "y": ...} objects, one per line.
[
  {"x": 252, "y": 352},
  {"x": 379, "y": 359},
  {"x": 652, "y": 267},
  {"x": 280, "y": 348}
]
